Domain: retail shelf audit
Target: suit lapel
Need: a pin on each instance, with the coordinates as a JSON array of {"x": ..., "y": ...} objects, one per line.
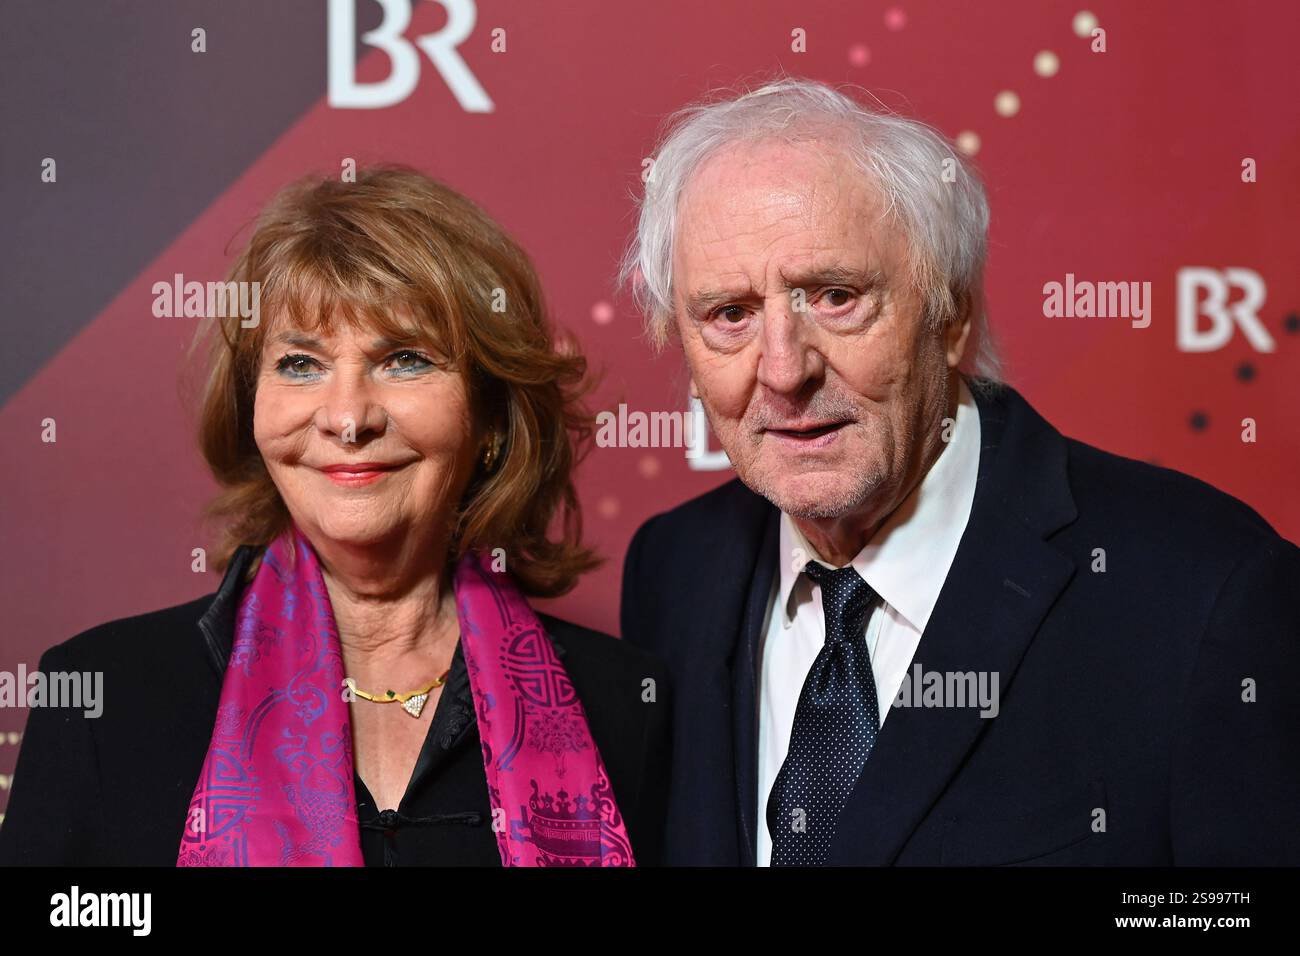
[
  {"x": 744, "y": 676},
  {"x": 1002, "y": 582},
  {"x": 712, "y": 816}
]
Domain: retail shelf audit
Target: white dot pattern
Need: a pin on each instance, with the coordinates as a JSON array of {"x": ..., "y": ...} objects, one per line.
[{"x": 835, "y": 726}]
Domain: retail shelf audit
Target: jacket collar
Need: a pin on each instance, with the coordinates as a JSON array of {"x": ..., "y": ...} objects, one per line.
[{"x": 218, "y": 621}]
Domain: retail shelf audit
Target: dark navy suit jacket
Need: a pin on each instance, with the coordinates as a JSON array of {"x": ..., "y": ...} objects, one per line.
[{"x": 1149, "y": 714}]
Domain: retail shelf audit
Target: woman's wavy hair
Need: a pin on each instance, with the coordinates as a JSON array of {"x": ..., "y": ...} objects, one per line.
[{"x": 397, "y": 241}]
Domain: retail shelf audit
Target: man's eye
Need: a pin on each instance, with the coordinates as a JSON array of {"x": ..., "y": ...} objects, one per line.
[
  {"x": 732, "y": 313},
  {"x": 838, "y": 297}
]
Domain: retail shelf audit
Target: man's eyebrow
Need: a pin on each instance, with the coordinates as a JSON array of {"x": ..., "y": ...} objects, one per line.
[
  {"x": 706, "y": 300},
  {"x": 833, "y": 275}
]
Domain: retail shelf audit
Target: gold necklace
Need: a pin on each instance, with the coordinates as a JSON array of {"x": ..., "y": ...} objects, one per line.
[{"x": 412, "y": 702}]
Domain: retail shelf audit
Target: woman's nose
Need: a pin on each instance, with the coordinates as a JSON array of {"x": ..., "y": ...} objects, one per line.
[{"x": 351, "y": 410}]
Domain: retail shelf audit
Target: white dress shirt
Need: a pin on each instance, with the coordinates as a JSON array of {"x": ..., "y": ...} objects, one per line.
[{"x": 905, "y": 562}]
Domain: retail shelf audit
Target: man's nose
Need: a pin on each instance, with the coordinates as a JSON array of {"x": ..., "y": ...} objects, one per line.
[
  {"x": 789, "y": 357},
  {"x": 351, "y": 410}
]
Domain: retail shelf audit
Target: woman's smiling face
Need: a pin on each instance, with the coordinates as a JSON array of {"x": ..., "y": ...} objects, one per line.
[{"x": 369, "y": 440}]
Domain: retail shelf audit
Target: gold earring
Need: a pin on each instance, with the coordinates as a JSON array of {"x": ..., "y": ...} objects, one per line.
[{"x": 490, "y": 454}]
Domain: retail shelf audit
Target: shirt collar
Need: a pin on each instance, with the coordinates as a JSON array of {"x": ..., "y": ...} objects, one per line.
[{"x": 907, "y": 560}]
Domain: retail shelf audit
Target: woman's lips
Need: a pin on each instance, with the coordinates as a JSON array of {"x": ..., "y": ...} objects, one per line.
[{"x": 363, "y": 473}]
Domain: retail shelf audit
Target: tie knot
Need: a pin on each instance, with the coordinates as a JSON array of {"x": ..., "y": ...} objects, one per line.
[{"x": 846, "y": 599}]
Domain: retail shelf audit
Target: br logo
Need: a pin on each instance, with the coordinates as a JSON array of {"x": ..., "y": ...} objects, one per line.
[
  {"x": 440, "y": 47},
  {"x": 1217, "y": 288}
]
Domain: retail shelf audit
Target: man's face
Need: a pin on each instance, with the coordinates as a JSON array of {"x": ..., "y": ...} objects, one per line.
[{"x": 804, "y": 339}]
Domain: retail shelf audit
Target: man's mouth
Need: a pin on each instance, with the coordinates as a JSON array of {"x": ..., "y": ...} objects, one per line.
[{"x": 807, "y": 434}]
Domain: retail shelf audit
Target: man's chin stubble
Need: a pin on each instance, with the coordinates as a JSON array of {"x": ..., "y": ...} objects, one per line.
[{"x": 829, "y": 505}]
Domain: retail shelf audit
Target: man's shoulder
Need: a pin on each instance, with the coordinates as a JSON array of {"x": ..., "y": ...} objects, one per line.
[
  {"x": 715, "y": 514},
  {"x": 1117, "y": 495},
  {"x": 1174, "y": 508}
]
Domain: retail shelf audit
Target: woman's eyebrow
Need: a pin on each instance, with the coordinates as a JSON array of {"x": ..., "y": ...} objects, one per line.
[
  {"x": 393, "y": 341},
  {"x": 298, "y": 339},
  {"x": 302, "y": 340}
]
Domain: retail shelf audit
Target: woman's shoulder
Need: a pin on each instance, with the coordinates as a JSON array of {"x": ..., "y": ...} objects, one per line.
[
  {"x": 174, "y": 634},
  {"x": 120, "y": 735},
  {"x": 150, "y": 639}
]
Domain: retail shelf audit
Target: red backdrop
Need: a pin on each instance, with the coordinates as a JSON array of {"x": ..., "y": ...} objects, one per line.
[{"x": 1126, "y": 165}]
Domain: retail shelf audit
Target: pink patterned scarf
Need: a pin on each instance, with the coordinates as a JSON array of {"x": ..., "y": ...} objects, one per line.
[{"x": 277, "y": 783}]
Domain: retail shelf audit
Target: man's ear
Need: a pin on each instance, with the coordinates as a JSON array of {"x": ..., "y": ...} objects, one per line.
[{"x": 956, "y": 334}]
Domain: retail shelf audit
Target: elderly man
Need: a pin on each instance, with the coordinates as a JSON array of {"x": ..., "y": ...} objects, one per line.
[{"x": 922, "y": 626}]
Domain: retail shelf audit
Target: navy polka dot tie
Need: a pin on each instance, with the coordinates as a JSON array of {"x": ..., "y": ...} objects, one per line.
[{"x": 835, "y": 726}]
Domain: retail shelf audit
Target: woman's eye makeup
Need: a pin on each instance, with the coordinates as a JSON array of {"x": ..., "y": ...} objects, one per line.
[
  {"x": 407, "y": 361},
  {"x": 296, "y": 365}
]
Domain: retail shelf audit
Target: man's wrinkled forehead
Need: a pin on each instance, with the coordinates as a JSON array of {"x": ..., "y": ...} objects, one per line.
[{"x": 778, "y": 209}]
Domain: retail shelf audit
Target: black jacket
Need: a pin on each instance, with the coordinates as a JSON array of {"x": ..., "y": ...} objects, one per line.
[
  {"x": 115, "y": 790},
  {"x": 1123, "y": 735}
]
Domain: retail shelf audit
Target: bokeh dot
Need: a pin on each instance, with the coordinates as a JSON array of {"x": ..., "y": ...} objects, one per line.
[
  {"x": 1006, "y": 103},
  {"x": 649, "y": 466},
  {"x": 1046, "y": 63},
  {"x": 1292, "y": 322},
  {"x": 607, "y": 507},
  {"x": 602, "y": 313},
  {"x": 968, "y": 141},
  {"x": 1199, "y": 421},
  {"x": 895, "y": 18},
  {"x": 1246, "y": 372},
  {"x": 1085, "y": 21},
  {"x": 859, "y": 55}
]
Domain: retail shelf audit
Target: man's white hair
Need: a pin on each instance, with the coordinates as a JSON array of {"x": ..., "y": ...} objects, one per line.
[{"x": 944, "y": 219}]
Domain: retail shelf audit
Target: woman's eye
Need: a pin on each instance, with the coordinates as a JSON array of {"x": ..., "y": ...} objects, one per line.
[
  {"x": 296, "y": 366},
  {"x": 408, "y": 361}
]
